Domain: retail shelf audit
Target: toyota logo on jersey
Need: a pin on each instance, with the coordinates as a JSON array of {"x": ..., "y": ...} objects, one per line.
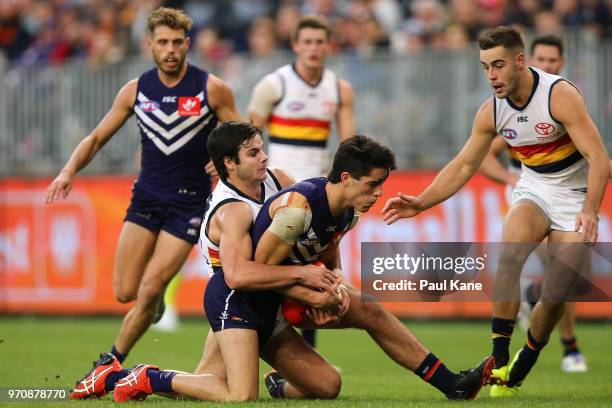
[
  {"x": 189, "y": 106},
  {"x": 544, "y": 129}
]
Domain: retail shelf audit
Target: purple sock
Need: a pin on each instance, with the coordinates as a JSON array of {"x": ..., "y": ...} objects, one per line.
[
  {"x": 161, "y": 381},
  {"x": 117, "y": 354},
  {"x": 113, "y": 378},
  {"x": 279, "y": 390}
]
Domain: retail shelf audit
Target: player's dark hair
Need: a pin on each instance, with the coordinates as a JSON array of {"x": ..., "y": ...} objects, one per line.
[
  {"x": 313, "y": 21},
  {"x": 549, "y": 39},
  {"x": 226, "y": 140},
  {"x": 507, "y": 37},
  {"x": 170, "y": 17},
  {"x": 358, "y": 156}
]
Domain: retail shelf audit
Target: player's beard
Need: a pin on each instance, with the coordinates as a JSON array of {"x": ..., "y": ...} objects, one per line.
[{"x": 159, "y": 61}]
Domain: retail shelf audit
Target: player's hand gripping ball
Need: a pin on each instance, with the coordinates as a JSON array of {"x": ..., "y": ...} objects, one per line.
[{"x": 293, "y": 310}]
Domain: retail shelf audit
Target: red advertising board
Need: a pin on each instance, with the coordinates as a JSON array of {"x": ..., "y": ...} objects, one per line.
[{"x": 59, "y": 258}]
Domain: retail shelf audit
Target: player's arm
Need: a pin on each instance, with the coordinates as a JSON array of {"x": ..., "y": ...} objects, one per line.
[
  {"x": 284, "y": 177},
  {"x": 266, "y": 94},
  {"x": 87, "y": 149},
  {"x": 241, "y": 273},
  {"x": 291, "y": 216},
  {"x": 345, "y": 118},
  {"x": 567, "y": 106},
  {"x": 221, "y": 99},
  {"x": 493, "y": 168},
  {"x": 331, "y": 259},
  {"x": 453, "y": 176}
]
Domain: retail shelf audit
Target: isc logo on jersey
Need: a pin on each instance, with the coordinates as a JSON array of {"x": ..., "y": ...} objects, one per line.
[{"x": 189, "y": 106}]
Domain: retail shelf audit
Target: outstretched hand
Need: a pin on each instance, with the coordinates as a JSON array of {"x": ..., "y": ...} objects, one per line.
[
  {"x": 59, "y": 187},
  {"x": 402, "y": 206}
]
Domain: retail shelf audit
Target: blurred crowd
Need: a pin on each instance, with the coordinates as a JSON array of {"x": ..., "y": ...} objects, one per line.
[{"x": 106, "y": 31}]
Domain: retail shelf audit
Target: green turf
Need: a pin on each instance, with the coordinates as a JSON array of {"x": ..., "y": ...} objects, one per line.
[{"x": 54, "y": 352}]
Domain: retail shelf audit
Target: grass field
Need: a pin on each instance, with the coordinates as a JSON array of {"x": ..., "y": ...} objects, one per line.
[{"x": 54, "y": 352}]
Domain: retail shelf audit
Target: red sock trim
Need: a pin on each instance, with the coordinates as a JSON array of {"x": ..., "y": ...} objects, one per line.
[{"x": 432, "y": 371}]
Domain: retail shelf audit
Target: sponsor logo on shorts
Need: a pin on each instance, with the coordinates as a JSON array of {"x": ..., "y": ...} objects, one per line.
[
  {"x": 544, "y": 129},
  {"x": 148, "y": 106},
  {"x": 580, "y": 190},
  {"x": 509, "y": 134},
  {"x": 518, "y": 193},
  {"x": 225, "y": 316},
  {"x": 144, "y": 215},
  {"x": 192, "y": 231}
]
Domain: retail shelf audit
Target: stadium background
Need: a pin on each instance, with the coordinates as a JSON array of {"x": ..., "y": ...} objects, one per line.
[{"x": 414, "y": 68}]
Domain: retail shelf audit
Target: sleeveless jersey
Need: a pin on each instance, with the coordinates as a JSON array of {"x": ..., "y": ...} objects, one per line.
[
  {"x": 304, "y": 113},
  {"x": 324, "y": 229},
  {"x": 539, "y": 141},
  {"x": 226, "y": 193},
  {"x": 174, "y": 125}
]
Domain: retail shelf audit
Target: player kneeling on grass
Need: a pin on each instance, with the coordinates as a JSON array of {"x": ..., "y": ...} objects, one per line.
[{"x": 238, "y": 300}]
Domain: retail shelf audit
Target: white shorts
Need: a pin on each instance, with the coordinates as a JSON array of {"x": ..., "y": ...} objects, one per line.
[
  {"x": 509, "y": 188},
  {"x": 560, "y": 200},
  {"x": 302, "y": 162}
]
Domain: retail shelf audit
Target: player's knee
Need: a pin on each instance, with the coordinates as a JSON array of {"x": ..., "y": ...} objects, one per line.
[
  {"x": 364, "y": 315},
  {"x": 373, "y": 312},
  {"x": 242, "y": 395},
  {"x": 124, "y": 296},
  {"x": 150, "y": 291},
  {"x": 330, "y": 388},
  {"x": 512, "y": 257}
]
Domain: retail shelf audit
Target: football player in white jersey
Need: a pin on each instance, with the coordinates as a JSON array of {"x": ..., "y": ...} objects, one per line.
[
  {"x": 547, "y": 55},
  {"x": 565, "y": 170},
  {"x": 298, "y": 104},
  {"x": 229, "y": 368}
]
